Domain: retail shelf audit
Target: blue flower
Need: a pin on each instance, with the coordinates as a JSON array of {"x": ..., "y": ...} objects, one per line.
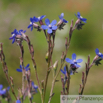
[
  {"x": 49, "y": 26},
  {"x": 32, "y": 20},
  {"x": 2, "y": 92},
  {"x": 80, "y": 17},
  {"x": 26, "y": 68},
  {"x": 74, "y": 62},
  {"x": 41, "y": 17},
  {"x": 21, "y": 31},
  {"x": 14, "y": 34},
  {"x": 61, "y": 18},
  {"x": 18, "y": 101},
  {"x": 65, "y": 72},
  {"x": 98, "y": 53},
  {"x": 34, "y": 86}
]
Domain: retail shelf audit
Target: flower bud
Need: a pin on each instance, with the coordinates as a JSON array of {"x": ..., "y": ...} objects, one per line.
[
  {"x": 46, "y": 57},
  {"x": 55, "y": 66},
  {"x": 37, "y": 27}
]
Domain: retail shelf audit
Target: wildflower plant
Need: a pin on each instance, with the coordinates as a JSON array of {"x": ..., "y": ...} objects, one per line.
[{"x": 29, "y": 88}]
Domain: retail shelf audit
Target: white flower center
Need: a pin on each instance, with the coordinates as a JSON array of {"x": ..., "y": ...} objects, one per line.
[
  {"x": 30, "y": 22},
  {"x": 74, "y": 60},
  {"x": 49, "y": 26},
  {"x": 13, "y": 34},
  {"x": 100, "y": 53},
  {"x": 81, "y": 17},
  {"x": 39, "y": 17}
]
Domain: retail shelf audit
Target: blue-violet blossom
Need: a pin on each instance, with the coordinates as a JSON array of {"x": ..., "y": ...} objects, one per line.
[
  {"x": 21, "y": 31},
  {"x": 14, "y": 34},
  {"x": 98, "y": 53},
  {"x": 61, "y": 18},
  {"x": 50, "y": 26},
  {"x": 74, "y": 62},
  {"x": 18, "y": 101},
  {"x": 41, "y": 17},
  {"x": 65, "y": 72},
  {"x": 26, "y": 68},
  {"x": 34, "y": 86},
  {"x": 2, "y": 92},
  {"x": 80, "y": 17},
  {"x": 32, "y": 20}
]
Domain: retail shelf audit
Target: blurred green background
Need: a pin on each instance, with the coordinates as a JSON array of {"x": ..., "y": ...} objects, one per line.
[{"x": 15, "y": 14}]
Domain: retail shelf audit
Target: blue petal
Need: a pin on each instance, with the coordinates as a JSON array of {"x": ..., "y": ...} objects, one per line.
[
  {"x": 73, "y": 56},
  {"x": 1, "y": 86},
  {"x": 31, "y": 28},
  {"x": 77, "y": 65},
  {"x": 71, "y": 72},
  {"x": 47, "y": 21},
  {"x": 83, "y": 19},
  {"x": 101, "y": 56},
  {"x": 30, "y": 25},
  {"x": 62, "y": 71},
  {"x": 19, "y": 70},
  {"x": 65, "y": 69},
  {"x": 20, "y": 66},
  {"x": 79, "y": 60},
  {"x": 27, "y": 69},
  {"x": 18, "y": 101},
  {"x": 62, "y": 15},
  {"x": 78, "y": 14},
  {"x": 2, "y": 92},
  {"x": 69, "y": 60},
  {"x": 32, "y": 83},
  {"x": 54, "y": 27},
  {"x": 53, "y": 22},
  {"x": 24, "y": 31},
  {"x": 20, "y": 30},
  {"x": 65, "y": 21},
  {"x": 31, "y": 19},
  {"x": 27, "y": 65},
  {"x": 35, "y": 87},
  {"x": 8, "y": 88},
  {"x": 13, "y": 40},
  {"x": 44, "y": 27},
  {"x": 97, "y": 51},
  {"x": 42, "y": 17},
  {"x": 49, "y": 31},
  {"x": 35, "y": 19}
]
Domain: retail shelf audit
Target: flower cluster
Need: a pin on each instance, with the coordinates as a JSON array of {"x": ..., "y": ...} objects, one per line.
[
  {"x": 17, "y": 35},
  {"x": 73, "y": 62},
  {"x": 33, "y": 22},
  {"x": 98, "y": 57},
  {"x": 49, "y": 28},
  {"x": 21, "y": 69},
  {"x": 79, "y": 23}
]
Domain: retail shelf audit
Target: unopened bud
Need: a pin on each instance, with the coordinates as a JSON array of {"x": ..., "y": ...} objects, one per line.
[
  {"x": 37, "y": 27},
  {"x": 20, "y": 93},
  {"x": 42, "y": 85},
  {"x": 46, "y": 57},
  {"x": 55, "y": 65},
  {"x": 95, "y": 58}
]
